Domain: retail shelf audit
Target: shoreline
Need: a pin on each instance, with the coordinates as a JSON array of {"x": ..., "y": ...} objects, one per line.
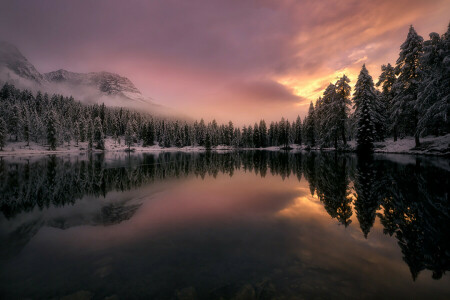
[{"x": 431, "y": 146}]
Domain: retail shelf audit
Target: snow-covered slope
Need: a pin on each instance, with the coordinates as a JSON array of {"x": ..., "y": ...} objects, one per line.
[
  {"x": 110, "y": 88},
  {"x": 14, "y": 66},
  {"x": 104, "y": 82}
]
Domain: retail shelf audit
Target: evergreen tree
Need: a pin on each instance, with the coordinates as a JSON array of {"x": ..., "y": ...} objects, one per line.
[
  {"x": 90, "y": 134},
  {"x": 434, "y": 91},
  {"x": 129, "y": 135},
  {"x": 256, "y": 136},
  {"x": 208, "y": 143},
  {"x": 52, "y": 133},
  {"x": 76, "y": 132},
  {"x": 386, "y": 81},
  {"x": 340, "y": 108},
  {"x": 406, "y": 102},
  {"x": 364, "y": 99},
  {"x": 98, "y": 134},
  {"x": 298, "y": 131},
  {"x": 309, "y": 126},
  {"x": 2, "y": 133},
  {"x": 263, "y": 133}
]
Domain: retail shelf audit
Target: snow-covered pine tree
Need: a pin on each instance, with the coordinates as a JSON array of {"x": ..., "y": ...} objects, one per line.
[
  {"x": 341, "y": 105},
  {"x": 98, "y": 134},
  {"x": 52, "y": 134},
  {"x": 129, "y": 135},
  {"x": 434, "y": 91},
  {"x": 406, "y": 100},
  {"x": 208, "y": 143},
  {"x": 309, "y": 126},
  {"x": 386, "y": 81},
  {"x": 298, "y": 131},
  {"x": 90, "y": 133},
  {"x": 3, "y": 133},
  {"x": 76, "y": 133},
  {"x": 263, "y": 133},
  {"x": 364, "y": 99}
]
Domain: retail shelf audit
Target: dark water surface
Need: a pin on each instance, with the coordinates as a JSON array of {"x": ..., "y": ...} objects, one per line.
[{"x": 243, "y": 225}]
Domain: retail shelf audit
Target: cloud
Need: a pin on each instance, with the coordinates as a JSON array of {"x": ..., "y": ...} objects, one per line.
[
  {"x": 265, "y": 91},
  {"x": 188, "y": 54}
]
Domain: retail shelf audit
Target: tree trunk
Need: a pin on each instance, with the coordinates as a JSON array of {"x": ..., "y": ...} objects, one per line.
[
  {"x": 416, "y": 138},
  {"x": 395, "y": 133},
  {"x": 335, "y": 142}
]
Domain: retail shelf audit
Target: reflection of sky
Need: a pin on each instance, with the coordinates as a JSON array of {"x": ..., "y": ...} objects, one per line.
[{"x": 220, "y": 236}]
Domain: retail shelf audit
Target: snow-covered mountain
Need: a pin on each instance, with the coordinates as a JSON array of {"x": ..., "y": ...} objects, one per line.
[
  {"x": 106, "y": 83},
  {"x": 14, "y": 66},
  {"x": 105, "y": 87}
]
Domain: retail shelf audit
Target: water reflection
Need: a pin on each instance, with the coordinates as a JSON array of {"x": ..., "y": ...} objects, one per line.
[{"x": 410, "y": 196}]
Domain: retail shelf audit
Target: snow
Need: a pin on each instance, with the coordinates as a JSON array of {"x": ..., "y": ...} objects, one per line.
[{"x": 430, "y": 146}]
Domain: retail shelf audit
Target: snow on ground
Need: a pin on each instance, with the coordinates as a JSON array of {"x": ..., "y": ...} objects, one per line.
[{"x": 429, "y": 146}]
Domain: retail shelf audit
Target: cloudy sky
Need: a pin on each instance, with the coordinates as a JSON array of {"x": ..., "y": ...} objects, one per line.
[{"x": 229, "y": 59}]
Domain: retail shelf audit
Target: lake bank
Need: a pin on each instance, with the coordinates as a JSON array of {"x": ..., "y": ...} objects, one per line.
[{"x": 434, "y": 146}]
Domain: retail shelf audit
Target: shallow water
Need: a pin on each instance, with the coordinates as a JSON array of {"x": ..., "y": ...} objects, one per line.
[{"x": 243, "y": 225}]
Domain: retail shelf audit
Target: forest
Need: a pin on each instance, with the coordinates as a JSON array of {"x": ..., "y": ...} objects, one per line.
[{"x": 409, "y": 99}]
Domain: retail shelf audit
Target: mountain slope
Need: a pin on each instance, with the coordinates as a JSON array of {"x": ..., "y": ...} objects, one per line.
[
  {"x": 14, "y": 65},
  {"x": 108, "y": 84},
  {"x": 110, "y": 88}
]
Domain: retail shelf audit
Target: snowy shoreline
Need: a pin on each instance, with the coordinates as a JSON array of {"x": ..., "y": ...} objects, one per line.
[{"x": 430, "y": 146}]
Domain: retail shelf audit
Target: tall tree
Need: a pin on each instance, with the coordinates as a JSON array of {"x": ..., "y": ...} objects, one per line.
[
  {"x": 340, "y": 105},
  {"x": 3, "y": 130},
  {"x": 364, "y": 99},
  {"x": 386, "y": 81},
  {"x": 434, "y": 91},
  {"x": 309, "y": 126},
  {"x": 52, "y": 133},
  {"x": 406, "y": 100},
  {"x": 98, "y": 134}
]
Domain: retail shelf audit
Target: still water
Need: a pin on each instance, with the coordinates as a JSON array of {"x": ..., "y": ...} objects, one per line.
[{"x": 241, "y": 225}]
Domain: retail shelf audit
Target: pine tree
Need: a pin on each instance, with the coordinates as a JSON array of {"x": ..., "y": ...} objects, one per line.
[
  {"x": 208, "y": 142},
  {"x": 256, "y": 136},
  {"x": 434, "y": 91},
  {"x": 129, "y": 135},
  {"x": 263, "y": 133},
  {"x": 364, "y": 99},
  {"x": 76, "y": 132},
  {"x": 340, "y": 106},
  {"x": 386, "y": 81},
  {"x": 2, "y": 133},
  {"x": 90, "y": 134},
  {"x": 298, "y": 131},
  {"x": 406, "y": 100},
  {"x": 309, "y": 126},
  {"x": 52, "y": 131},
  {"x": 98, "y": 134}
]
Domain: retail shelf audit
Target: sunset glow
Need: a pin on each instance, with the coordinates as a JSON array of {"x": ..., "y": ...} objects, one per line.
[{"x": 238, "y": 60}]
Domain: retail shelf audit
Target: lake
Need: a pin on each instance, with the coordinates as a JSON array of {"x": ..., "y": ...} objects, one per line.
[{"x": 232, "y": 225}]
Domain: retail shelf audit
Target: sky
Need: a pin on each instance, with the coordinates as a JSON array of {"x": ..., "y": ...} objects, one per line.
[{"x": 230, "y": 59}]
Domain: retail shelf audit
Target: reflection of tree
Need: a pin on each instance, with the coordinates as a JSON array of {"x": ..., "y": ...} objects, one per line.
[
  {"x": 417, "y": 212},
  {"x": 367, "y": 193},
  {"x": 332, "y": 187}
]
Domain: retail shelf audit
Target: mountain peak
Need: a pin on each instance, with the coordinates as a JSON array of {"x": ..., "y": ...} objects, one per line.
[{"x": 17, "y": 64}]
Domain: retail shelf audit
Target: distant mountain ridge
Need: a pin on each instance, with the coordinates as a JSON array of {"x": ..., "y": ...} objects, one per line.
[{"x": 99, "y": 86}]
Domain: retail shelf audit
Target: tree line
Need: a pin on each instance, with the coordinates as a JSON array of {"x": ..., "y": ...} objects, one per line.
[{"x": 412, "y": 100}]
